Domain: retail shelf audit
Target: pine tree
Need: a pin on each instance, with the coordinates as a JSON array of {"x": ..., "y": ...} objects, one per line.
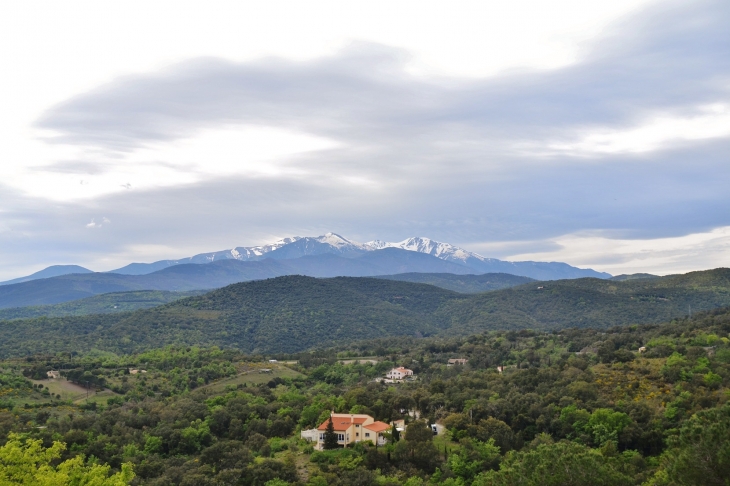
[
  {"x": 395, "y": 434},
  {"x": 330, "y": 437}
]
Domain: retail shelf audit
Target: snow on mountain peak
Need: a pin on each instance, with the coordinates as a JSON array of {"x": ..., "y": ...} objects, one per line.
[
  {"x": 420, "y": 244},
  {"x": 338, "y": 241}
]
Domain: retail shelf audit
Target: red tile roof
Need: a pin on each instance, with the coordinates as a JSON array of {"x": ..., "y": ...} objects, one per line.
[
  {"x": 342, "y": 423},
  {"x": 377, "y": 426}
]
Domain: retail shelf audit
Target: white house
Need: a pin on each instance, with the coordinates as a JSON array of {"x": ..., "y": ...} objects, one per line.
[{"x": 399, "y": 373}]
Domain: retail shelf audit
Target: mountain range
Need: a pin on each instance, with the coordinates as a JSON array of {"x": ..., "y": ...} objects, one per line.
[{"x": 334, "y": 244}]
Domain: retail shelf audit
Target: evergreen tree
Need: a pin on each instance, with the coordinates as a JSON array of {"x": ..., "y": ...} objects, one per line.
[
  {"x": 330, "y": 437},
  {"x": 395, "y": 434}
]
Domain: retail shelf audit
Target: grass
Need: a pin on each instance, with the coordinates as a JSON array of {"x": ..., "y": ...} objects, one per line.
[
  {"x": 254, "y": 377},
  {"x": 67, "y": 390}
]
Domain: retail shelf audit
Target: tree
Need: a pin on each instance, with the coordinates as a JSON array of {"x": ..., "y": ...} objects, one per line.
[
  {"x": 394, "y": 434},
  {"x": 330, "y": 437},
  {"x": 701, "y": 452},
  {"x": 561, "y": 464},
  {"x": 605, "y": 424},
  {"x": 27, "y": 462},
  {"x": 473, "y": 457},
  {"x": 497, "y": 430},
  {"x": 417, "y": 446}
]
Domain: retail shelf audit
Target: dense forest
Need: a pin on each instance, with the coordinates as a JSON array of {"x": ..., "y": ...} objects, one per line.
[
  {"x": 295, "y": 313},
  {"x": 635, "y": 404},
  {"x": 112, "y": 302}
]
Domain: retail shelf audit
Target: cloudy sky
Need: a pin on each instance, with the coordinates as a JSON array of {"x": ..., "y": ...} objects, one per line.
[{"x": 595, "y": 133}]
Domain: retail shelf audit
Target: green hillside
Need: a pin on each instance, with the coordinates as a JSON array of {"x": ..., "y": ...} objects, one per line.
[
  {"x": 465, "y": 284},
  {"x": 589, "y": 302},
  {"x": 99, "y": 304},
  {"x": 284, "y": 314},
  {"x": 295, "y": 313}
]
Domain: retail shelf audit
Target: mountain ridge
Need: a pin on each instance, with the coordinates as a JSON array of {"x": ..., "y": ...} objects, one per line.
[
  {"x": 332, "y": 243},
  {"x": 294, "y": 313}
]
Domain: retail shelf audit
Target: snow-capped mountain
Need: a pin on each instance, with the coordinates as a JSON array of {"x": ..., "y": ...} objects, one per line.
[
  {"x": 334, "y": 244},
  {"x": 242, "y": 253},
  {"x": 327, "y": 243},
  {"x": 334, "y": 255},
  {"x": 444, "y": 251}
]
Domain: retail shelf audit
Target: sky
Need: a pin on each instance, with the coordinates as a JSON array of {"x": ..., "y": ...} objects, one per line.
[{"x": 594, "y": 133}]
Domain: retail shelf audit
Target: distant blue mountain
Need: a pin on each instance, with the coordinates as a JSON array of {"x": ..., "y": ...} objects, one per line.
[
  {"x": 52, "y": 271},
  {"x": 334, "y": 244},
  {"x": 329, "y": 255}
]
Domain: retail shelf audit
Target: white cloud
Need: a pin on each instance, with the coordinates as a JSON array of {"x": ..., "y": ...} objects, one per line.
[
  {"x": 661, "y": 256},
  {"x": 656, "y": 133},
  {"x": 234, "y": 150},
  {"x": 94, "y": 224}
]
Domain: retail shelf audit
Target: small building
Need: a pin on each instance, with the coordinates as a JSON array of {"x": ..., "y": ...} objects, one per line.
[
  {"x": 351, "y": 428},
  {"x": 500, "y": 369},
  {"x": 310, "y": 435},
  {"x": 457, "y": 361},
  {"x": 437, "y": 429},
  {"x": 133, "y": 371},
  {"x": 273, "y": 361},
  {"x": 53, "y": 374},
  {"x": 642, "y": 349},
  {"x": 399, "y": 373}
]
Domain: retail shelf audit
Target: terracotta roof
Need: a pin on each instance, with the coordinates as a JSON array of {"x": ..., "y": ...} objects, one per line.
[
  {"x": 342, "y": 423},
  {"x": 403, "y": 370},
  {"x": 377, "y": 426}
]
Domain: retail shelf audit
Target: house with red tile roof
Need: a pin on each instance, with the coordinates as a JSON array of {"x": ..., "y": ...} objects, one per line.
[{"x": 352, "y": 427}]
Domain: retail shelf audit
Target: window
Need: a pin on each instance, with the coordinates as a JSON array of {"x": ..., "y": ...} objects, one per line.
[
  {"x": 367, "y": 434},
  {"x": 340, "y": 437},
  {"x": 357, "y": 434},
  {"x": 321, "y": 437}
]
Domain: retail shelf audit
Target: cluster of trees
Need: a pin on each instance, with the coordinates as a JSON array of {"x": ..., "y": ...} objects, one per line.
[{"x": 577, "y": 406}]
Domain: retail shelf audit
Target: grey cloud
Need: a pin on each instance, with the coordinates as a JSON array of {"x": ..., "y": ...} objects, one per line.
[
  {"x": 440, "y": 153},
  {"x": 669, "y": 58}
]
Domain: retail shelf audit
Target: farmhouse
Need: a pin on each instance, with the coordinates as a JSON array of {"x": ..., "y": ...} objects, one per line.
[
  {"x": 53, "y": 374},
  {"x": 398, "y": 373},
  {"x": 457, "y": 361},
  {"x": 352, "y": 428}
]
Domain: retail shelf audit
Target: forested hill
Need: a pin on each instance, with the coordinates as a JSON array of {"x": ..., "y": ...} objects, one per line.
[
  {"x": 99, "y": 304},
  {"x": 590, "y": 302},
  {"x": 284, "y": 314},
  {"x": 467, "y": 284},
  {"x": 294, "y": 313}
]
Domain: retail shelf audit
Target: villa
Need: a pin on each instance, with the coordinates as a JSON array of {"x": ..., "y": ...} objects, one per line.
[
  {"x": 351, "y": 428},
  {"x": 398, "y": 373}
]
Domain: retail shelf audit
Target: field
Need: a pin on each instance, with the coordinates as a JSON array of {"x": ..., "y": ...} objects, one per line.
[{"x": 254, "y": 377}]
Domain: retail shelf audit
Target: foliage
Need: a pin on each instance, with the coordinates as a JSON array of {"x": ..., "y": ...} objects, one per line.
[
  {"x": 291, "y": 314},
  {"x": 209, "y": 416},
  {"x": 27, "y": 462},
  {"x": 561, "y": 464},
  {"x": 700, "y": 454}
]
